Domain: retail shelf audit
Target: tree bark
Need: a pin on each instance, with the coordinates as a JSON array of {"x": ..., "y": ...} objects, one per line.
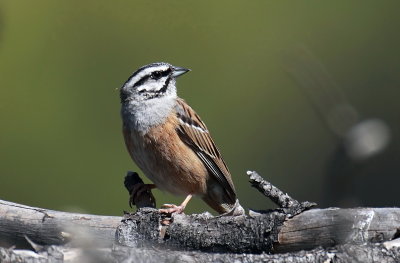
[
  {"x": 334, "y": 226},
  {"x": 269, "y": 232},
  {"x": 50, "y": 227},
  {"x": 366, "y": 253},
  {"x": 363, "y": 234}
]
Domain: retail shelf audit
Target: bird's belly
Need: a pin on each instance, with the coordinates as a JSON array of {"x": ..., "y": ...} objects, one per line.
[
  {"x": 168, "y": 162},
  {"x": 161, "y": 175}
]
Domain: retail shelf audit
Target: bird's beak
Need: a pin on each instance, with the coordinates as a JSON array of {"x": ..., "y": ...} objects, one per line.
[{"x": 177, "y": 71}]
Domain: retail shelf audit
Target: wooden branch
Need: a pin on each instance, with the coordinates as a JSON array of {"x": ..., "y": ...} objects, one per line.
[
  {"x": 289, "y": 205},
  {"x": 281, "y": 230},
  {"x": 202, "y": 232},
  {"x": 272, "y": 192},
  {"x": 334, "y": 226},
  {"x": 269, "y": 232},
  {"x": 50, "y": 227},
  {"x": 388, "y": 252}
]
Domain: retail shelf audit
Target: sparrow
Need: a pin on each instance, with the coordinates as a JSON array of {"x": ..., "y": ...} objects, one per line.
[{"x": 170, "y": 143}]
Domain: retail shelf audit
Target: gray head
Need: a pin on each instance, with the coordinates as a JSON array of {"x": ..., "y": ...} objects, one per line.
[
  {"x": 150, "y": 82},
  {"x": 149, "y": 95}
]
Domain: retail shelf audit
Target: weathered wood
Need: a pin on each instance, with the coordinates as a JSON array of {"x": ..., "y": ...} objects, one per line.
[
  {"x": 366, "y": 253},
  {"x": 349, "y": 227},
  {"x": 281, "y": 230},
  {"x": 202, "y": 232},
  {"x": 333, "y": 226},
  {"x": 272, "y": 192},
  {"x": 50, "y": 227},
  {"x": 288, "y": 204},
  {"x": 269, "y": 232}
]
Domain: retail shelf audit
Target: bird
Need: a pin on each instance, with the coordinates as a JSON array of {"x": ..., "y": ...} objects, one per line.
[{"x": 170, "y": 143}]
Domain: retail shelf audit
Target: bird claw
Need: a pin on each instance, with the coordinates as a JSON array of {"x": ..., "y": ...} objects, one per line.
[
  {"x": 168, "y": 206},
  {"x": 171, "y": 208},
  {"x": 166, "y": 212}
]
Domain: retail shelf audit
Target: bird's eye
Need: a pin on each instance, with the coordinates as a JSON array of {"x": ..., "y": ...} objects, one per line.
[{"x": 156, "y": 75}]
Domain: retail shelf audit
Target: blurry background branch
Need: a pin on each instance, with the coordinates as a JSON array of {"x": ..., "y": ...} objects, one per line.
[{"x": 358, "y": 139}]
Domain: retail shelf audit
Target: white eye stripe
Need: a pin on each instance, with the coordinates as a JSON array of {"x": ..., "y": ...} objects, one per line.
[
  {"x": 192, "y": 126},
  {"x": 151, "y": 85},
  {"x": 145, "y": 72}
]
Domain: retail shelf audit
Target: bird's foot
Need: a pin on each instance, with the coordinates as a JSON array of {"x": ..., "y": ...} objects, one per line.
[
  {"x": 166, "y": 213},
  {"x": 171, "y": 208},
  {"x": 168, "y": 209}
]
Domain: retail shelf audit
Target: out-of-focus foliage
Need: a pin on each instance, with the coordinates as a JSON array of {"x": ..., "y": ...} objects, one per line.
[{"x": 61, "y": 62}]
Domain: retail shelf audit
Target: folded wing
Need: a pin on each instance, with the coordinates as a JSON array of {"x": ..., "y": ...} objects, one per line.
[{"x": 195, "y": 134}]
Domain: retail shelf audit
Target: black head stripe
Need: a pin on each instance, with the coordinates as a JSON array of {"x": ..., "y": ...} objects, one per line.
[
  {"x": 141, "y": 81},
  {"x": 164, "y": 88},
  {"x": 152, "y": 95},
  {"x": 154, "y": 75},
  {"x": 137, "y": 72},
  {"x": 146, "y": 67}
]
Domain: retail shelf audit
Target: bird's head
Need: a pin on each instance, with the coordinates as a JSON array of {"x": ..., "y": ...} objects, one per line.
[{"x": 155, "y": 80}]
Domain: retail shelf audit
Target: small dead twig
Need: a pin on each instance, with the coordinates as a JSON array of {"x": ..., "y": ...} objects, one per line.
[{"x": 282, "y": 199}]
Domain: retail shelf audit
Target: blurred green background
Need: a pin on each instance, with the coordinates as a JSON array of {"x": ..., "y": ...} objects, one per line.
[{"x": 252, "y": 63}]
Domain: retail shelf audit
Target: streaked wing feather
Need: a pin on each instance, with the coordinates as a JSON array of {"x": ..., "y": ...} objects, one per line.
[{"x": 194, "y": 133}]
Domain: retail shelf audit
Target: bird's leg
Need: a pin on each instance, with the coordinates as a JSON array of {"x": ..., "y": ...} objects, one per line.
[
  {"x": 137, "y": 190},
  {"x": 171, "y": 208}
]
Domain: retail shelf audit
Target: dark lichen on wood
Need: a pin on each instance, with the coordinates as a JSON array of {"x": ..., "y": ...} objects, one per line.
[{"x": 239, "y": 234}]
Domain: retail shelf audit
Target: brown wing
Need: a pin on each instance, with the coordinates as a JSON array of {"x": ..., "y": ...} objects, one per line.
[{"x": 194, "y": 133}]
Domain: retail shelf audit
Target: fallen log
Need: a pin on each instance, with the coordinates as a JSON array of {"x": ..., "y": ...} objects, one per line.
[
  {"x": 281, "y": 230},
  {"x": 49, "y": 227}
]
